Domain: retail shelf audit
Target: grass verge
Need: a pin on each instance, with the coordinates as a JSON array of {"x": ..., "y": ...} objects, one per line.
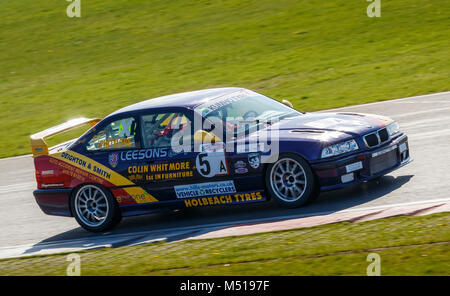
[
  {"x": 318, "y": 54},
  {"x": 406, "y": 245}
]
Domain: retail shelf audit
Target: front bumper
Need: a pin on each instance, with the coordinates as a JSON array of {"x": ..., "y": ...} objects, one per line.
[
  {"x": 54, "y": 201},
  {"x": 363, "y": 166}
]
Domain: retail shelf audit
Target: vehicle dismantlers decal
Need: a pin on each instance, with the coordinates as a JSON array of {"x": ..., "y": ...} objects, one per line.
[
  {"x": 203, "y": 189},
  {"x": 99, "y": 170},
  {"x": 237, "y": 198}
]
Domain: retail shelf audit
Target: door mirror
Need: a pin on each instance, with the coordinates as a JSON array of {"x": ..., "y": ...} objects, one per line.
[
  {"x": 202, "y": 136},
  {"x": 287, "y": 103}
]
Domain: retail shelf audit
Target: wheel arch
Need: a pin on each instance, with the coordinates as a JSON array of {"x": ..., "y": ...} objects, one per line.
[
  {"x": 280, "y": 155},
  {"x": 76, "y": 188}
]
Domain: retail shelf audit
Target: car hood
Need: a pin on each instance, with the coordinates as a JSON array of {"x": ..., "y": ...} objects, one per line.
[{"x": 329, "y": 127}]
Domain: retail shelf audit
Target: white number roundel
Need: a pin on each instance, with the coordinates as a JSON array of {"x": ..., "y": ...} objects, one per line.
[{"x": 211, "y": 164}]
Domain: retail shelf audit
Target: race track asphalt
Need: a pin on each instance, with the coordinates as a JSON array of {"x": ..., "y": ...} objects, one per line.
[{"x": 426, "y": 120}]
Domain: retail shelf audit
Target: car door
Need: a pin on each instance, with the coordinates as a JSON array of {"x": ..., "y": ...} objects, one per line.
[
  {"x": 188, "y": 174},
  {"x": 163, "y": 166}
]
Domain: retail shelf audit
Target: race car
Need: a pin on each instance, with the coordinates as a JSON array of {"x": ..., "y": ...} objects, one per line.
[{"x": 207, "y": 148}]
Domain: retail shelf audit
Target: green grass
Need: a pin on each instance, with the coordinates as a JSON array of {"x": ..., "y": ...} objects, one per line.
[
  {"x": 406, "y": 245},
  {"x": 318, "y": 54}
]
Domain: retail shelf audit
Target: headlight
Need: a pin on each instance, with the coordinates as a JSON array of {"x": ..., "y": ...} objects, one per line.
[
  {"x": 392, "y": 128},
  {"x": 340, "y": 148}
]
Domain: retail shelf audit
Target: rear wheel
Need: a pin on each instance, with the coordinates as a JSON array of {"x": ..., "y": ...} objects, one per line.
[
  {"x": 94, "y": 208},
  {"x": 290, "y": 181}
]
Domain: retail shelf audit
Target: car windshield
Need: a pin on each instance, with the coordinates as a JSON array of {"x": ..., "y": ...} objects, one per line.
[{"x": 244, "y": 109}]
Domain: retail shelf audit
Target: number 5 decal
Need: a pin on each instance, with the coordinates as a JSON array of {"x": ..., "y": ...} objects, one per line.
[{"x": 211, "y": 164}]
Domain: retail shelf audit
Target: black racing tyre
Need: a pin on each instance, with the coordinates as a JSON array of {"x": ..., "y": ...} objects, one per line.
[
  {"x": 290, "y": 181},
  {"x": 95, "y": 208}
]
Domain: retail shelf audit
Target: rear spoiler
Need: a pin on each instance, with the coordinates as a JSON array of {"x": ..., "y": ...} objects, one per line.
[{"x": 38, "y": 144}]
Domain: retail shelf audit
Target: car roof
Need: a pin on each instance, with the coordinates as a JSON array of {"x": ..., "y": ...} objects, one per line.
[{"x": 185, "y": 99}]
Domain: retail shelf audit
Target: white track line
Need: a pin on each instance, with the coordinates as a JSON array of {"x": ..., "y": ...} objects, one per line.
[
  {"x": 421, "y": 112},
  {"x": 432, "y": 134},
  {"x": 425, "y": 122},
  {"x": 16, "y": 157},
  {"x": 17, "y": 187},
  {"x": 447, "y": 93}
]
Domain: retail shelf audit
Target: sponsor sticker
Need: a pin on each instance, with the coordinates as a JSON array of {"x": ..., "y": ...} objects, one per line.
[
  {"x": 354, "y": 167},
  {"x": 217, "y": 103},
  {"x": 144, "y": 154},
  {"x": 237, "y": 198},
  {"x": 402, "y": 147},
  {"x": 240, "y": 164},
  {"x": 116, "y": 143},
  {"x": 161, "y": 171},
  {"x": 254, "y": 159},
  {"x": 204, "y": 189},
  {"x": 113, "y": 159},
  {"x": 241, "y": 170},
  {"x": 210, "y": 164},
  {"x": 378, "y": 153},
  {"x": 88, "y": 169},
  {"x": 347, "y": 178}
]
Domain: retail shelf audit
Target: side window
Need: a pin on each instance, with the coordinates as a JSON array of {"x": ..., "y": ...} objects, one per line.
[
  {"x": 119, "y": 134},
  {"x": 159, "y": 128}
]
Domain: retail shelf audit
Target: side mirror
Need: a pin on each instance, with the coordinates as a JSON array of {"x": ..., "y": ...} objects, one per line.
[
  {"x": 202, "y": 136},
  {"x": 287, "y": 103}
]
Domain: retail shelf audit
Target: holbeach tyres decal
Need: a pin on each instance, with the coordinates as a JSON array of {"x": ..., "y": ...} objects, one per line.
[{"x": 86, "y": 164}]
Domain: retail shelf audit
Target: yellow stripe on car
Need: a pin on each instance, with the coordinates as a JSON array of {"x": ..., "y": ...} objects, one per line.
[{"x": 85, "y": 163}]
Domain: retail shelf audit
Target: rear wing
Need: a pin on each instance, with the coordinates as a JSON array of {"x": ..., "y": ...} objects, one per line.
[{"x": 38, "y": 144}]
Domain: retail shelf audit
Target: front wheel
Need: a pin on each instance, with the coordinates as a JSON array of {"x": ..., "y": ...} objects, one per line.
[
  {"x": 95, "y": 208},
  {"x": 290, "y": 181}
]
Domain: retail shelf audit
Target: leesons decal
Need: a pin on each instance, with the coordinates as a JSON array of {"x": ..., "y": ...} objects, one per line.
[
  {"x": 141, "y": 154},
  {"x": 204, "y": 189},
  {"x": 161, "y": 171},
  {"x": 88, "y": 165},
  {"x": 144, "y": 154},
  {"x": 254, "y": 159},
  {"x": 237, "y": 198}
]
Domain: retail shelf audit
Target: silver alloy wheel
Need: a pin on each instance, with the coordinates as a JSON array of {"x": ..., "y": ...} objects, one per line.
[
  {"x": 288, "y": 179},
  {"x": 91, "y": 205}
]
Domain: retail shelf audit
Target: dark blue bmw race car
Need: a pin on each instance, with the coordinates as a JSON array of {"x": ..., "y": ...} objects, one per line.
[{"x": 208, "y": 148}]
